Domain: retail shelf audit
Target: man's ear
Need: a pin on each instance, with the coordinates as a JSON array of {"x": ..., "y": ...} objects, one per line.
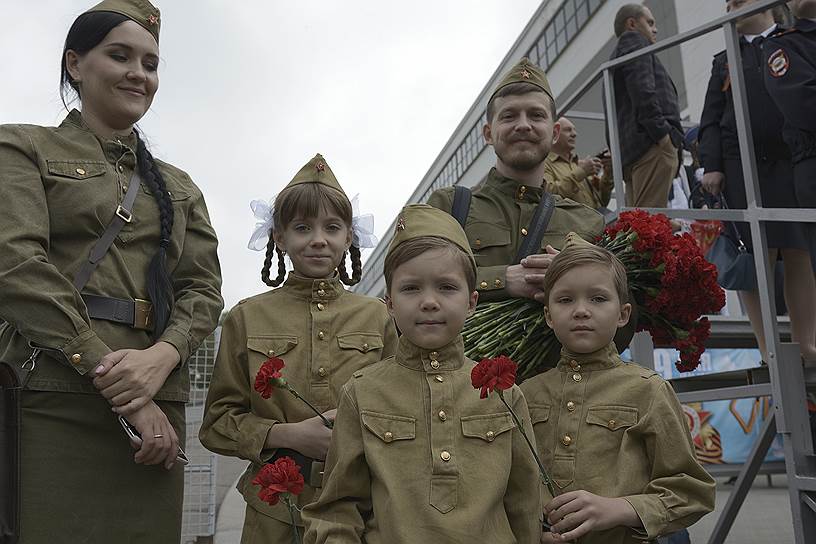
[
  {"x": 389, "y": 305},
  {"x": 556, "y": 131},
  {"x": 487, "y": 134}
]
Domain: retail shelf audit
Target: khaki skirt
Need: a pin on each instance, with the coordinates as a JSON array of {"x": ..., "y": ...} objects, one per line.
[{"x": 79, "y": 483}]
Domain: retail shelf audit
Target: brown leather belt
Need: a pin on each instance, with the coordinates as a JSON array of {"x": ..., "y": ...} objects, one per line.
[{"x": 136, "y": 313}]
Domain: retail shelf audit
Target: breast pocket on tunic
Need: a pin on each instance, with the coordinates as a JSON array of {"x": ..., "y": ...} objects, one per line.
[
  {"x": 539, "y": 417},
  {"x": 261, "y": 348},
  {"x": 359, "y": 349},
  {"x": 145, "y": 225},
  {"x": 77, "y": 186},
  {"x": 389, "y": 434},
  {"x": 600, "y": 440},
  {"x": 488, "y": 241}
]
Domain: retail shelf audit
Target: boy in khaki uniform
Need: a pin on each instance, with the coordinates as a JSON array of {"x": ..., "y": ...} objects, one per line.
[
  {"x": 612, "y": 434},
  {"x": 322, "y": 332},
  {"x": 416, "y": 455}
]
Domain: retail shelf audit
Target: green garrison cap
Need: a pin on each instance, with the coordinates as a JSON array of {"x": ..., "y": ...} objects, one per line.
[
  {"x": 525, "y": 72},
  {"x": 139, "y": 11},
  {"x": 419, "y": 220},
  {"x": 316, "y": 171}
]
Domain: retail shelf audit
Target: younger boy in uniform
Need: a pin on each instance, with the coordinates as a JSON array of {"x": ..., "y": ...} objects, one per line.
[
  {"x": 416, "y": 455},
  {"x": 612, "y": 434}
]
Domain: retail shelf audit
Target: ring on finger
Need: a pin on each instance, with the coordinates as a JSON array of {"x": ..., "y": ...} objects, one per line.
[{"x": 158, "y": 436}]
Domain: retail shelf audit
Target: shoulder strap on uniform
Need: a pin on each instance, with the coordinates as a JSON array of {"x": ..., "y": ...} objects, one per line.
[
  {"x": 461, "y": 204},
  {"x": 541, "y": 218},
  {"x": 124, "y": 214}
]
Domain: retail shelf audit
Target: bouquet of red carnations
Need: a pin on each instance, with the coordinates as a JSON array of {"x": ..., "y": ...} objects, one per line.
[{"x": 672, "y": 284}]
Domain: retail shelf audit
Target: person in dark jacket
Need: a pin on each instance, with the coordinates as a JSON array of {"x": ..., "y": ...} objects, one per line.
[
  {"x": 720, "y": 157},
  {"x": 647, "y": 112}
]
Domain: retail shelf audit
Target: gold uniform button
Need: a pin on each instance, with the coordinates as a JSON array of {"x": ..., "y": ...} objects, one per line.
[
  {"x": 321, "y": 335},
  {"x": 574, "y": 364},
  {"x": 442, "y": 415},
  {"x": 121, "y": 168},
  {"x": 271, "y": 352},
  {"x": 388, "y": 436},
  {"x": 612, "y": 423},
  {"x": 440, "y": 379},
  {"x": 76, "y": 358},
  {"x": 524, "y": 232},
  {"x": 445, "y": 456},
  {"x": 477, "y": 243},
  {"x": 321, "y": 292},
  {"x": 435, "y": 364},
  {"x": 80, "y": 171},
  {"x": 483, "y": 285},
  {"x": 490, "y": 436},
  {"x": 322, "y": 285},
  {"x": 567, "y": 440},
  {"x": 365, "y": 347},
  {"x": 571, "y": 406},
  {"x": 498, "y": 283},
  {"x": 434, "y": 355},
  {"x": 321, "y": 306},
  {"x": 322, "y": 372},
  {"x": 523, "y": 189},
  {"x": 576, "y": 377}
]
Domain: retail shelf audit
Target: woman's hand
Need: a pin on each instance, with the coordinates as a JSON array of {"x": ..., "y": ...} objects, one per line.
[
  {"x": 159, "y": 440},
  {"x": 576, "y": 513},
  {"x": 129, "y": 378},
  {"x": 713, "y": 182}
]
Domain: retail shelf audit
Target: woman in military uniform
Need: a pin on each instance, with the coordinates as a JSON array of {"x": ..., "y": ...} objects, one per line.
[
  {"x": 322, "y": 332},
  {"x": 110, "y": 280}
]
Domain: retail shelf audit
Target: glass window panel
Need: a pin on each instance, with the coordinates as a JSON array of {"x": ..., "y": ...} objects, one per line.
[
  {"x": 582, "y": 14},
  {"x": 549, "y": 34},
  {"x": 568, "y": 8},
  {"x": 561, "y": 41}
]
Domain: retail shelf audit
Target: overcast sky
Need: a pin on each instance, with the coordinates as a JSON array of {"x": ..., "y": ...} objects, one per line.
[{"x": 250, "y": 90}]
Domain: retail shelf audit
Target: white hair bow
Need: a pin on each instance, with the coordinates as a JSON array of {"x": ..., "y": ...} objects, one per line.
[
  {"x": 362, "y": 226},
  {"x": 264, "y": 215}
]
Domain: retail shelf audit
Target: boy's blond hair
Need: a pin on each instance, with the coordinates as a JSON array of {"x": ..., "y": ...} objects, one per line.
[
  {"x": 417, "y": 246},
  {"x": 582, "y": 255}
]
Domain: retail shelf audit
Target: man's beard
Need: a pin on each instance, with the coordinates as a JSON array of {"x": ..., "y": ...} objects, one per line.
[{"x": 523, "y": 160}]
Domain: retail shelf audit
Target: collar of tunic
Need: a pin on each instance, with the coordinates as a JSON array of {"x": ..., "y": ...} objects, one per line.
[
  {"x": 512, "y": 188},
  {"x": 604, "y": 358},
  {"x": 120, "y": 150},
  {"x": 449, "y": 357},
  {"x": 314, "y": 289}
]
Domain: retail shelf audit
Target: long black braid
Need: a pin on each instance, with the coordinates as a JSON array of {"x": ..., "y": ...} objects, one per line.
[
  {"x": 356, "y": 267},
  {"x": 271, "y": 249},
  {"x": 159, "y": 282}
]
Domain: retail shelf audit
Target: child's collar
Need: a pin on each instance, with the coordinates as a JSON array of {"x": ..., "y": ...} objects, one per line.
[
  {"x": 314, "y": 289},
  {"x": 446, "y": 358},
  {"x": 606, "y": 357}
]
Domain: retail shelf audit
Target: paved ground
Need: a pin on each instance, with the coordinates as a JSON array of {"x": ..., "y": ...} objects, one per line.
[{"x": 765, "y": 517}]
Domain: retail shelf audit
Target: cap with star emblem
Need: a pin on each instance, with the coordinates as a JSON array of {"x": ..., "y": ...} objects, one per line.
[
  {"x": 139, "y": 11},
  {"x": 421, "y": 220},
  {"x": 316, "y": 171},
  {"x": 525, "y": 72}
]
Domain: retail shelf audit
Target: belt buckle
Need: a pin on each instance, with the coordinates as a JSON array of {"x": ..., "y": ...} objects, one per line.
[
  {"x": 142, "y": 314},
  {"x": 124, "y": 214},
  {"x": 316, "y": 476}
]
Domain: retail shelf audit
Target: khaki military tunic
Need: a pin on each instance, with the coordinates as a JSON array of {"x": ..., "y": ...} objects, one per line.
[
  {"x": 60, "y": 187},
  {"x": 322, "y": 332},
  {"x": 616, "y": 429},
  {"x": 418, "y": 457},
  {"x": 564, "y": 177},
  {"x": 501, "y": 210}
]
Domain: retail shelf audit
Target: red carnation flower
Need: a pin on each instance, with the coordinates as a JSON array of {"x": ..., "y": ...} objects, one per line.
[
  {"x": 265, "y": 379},
  {"x": 490, "y": 374},
  {"x": 282, "y": 476}
]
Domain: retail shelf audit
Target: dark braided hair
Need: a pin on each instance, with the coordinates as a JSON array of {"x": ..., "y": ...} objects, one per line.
[
  {"x": 356, "y": 267},
  {"x": 159, "y": 282},
  {"x": 307, "y": 200},
  {"x": 271, "y": 249}
]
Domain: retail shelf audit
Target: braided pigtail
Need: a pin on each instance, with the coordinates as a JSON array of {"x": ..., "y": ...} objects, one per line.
[
  {"x": 271, "y": 250},
  {"x": 159, "y": 282},
  {"x": 356, "y": 267}
]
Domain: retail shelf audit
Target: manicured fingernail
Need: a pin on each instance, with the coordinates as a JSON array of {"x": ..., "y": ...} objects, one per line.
[{"x": 99, "y": 369}]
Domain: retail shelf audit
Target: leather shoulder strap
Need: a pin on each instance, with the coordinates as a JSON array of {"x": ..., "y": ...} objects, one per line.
[
  {"x": 461, "y": 204},
  {"x": 538, "y": 226}
]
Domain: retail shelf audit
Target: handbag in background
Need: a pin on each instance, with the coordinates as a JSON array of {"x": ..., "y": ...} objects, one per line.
[{"x": 735, "y": 265}]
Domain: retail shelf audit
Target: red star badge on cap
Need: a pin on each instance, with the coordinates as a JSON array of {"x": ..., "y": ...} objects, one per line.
[
  {"x": 320, "y": 167},
  {"x": 400, "y": 224},
  {"x": 525, "y": 74},
  {"x": 153, "y": 20}
]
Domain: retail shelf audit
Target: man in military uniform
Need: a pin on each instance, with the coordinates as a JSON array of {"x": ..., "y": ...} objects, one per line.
[
  {"x": 521, "y": 128},
  {"x": 567, "y": 175}
]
